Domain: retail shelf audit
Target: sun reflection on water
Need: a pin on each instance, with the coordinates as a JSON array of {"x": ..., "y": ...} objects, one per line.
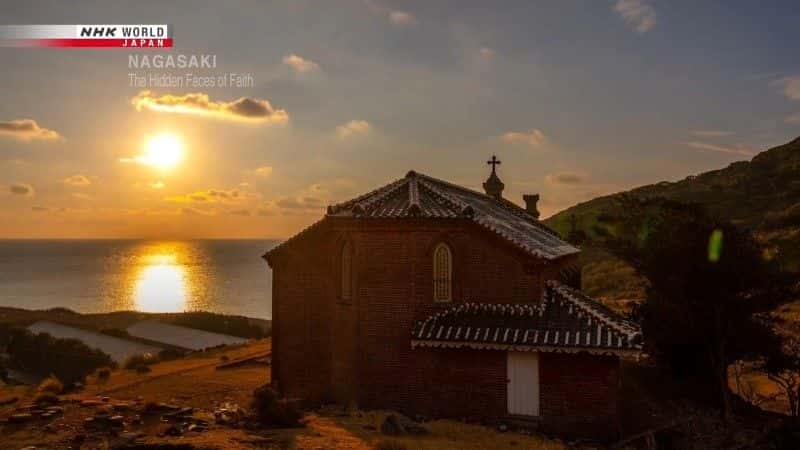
[{"x": 161, "y": 285}]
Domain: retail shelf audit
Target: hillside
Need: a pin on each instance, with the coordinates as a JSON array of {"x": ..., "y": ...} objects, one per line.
[
  {"x": 762, "y": 195},
  {"x": 202, "y": 401}
]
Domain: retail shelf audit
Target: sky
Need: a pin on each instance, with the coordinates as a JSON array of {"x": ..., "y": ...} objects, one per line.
[{"x": 577, "y": 99}]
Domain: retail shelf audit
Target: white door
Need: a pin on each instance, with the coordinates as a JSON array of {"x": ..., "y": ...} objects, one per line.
[{"x": 523, "y": 383}]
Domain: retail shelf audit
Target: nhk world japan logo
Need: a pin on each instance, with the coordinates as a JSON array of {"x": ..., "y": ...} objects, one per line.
[{"x": 86, "y": 36}]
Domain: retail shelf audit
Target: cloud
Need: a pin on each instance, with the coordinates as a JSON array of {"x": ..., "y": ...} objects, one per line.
[
  {"x": 791, "y": 87},
  {"x": 213, "y": 196},
  {"x": 353, "y": 128},
  {"x": 534, "y": 138},
  {"x": 77, "y": 180},
  {"x": 26, "y": 130},
  {"x": 240, "y": 212},
  {"x": 39, "y": 208},
  {"x": 81, "y": 196},
  {"x": 720, "y": 149},
  {"x": 265, "y": 211},
  {"x": 396, "y": 17},
  {"x": 157, "y": 185},
  {"x": 794, "y": 118},
  {"x": 299, "y": 205},
  {"x": 565, "y": 178},
  {"x": 198, "y": 103},
  {"x": 712, "y": 133},
  {"x": 484, "y": 55},
  {"x": 637, "y": 13},
  {"x": 300, "y": 64},
  {"x": 263, "y": 171},
  {"x": 194, "y": 212},
  {"x": 401, "y": 18},
  {"x": 25, "y": 190}
]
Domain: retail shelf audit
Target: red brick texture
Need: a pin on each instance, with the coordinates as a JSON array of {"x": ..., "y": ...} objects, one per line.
[{"x": 360, "y": 351}]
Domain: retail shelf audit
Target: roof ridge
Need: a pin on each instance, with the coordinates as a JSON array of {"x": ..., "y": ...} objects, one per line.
[
  {"x": 596, "y": 310},
  {"x": 508, "y": 204},
  {"x": 334, "y": 208},
  {"x": 365, "y": 205},
  {"x": 464, "y": 209}
]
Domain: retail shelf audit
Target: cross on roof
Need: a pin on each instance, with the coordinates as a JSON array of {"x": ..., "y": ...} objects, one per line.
[{"x": 493, "y": 162}]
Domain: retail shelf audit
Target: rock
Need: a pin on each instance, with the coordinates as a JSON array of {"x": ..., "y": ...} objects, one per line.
[
  {"x": 180, "y": 412},
  {"x": 122, "y": 406},
  {"x": 397, "y": 424},
  {"x": 55, "y": 409},
  {"x": 369, "y": 427},
  {"x": 116, "y": 420},
  {"x": 90, "y": 403},
  {"x": 391, "y": 426},
  {"x": 37, "y": 412},
  {"x": 503, "y": 427},
  {"x": 105, "y": 399},
  {"x": 172, "y": 430},
  {"x": 131, "y": 436},
  {"x": 20, "y": 418},
  {"x": 136, "y": 420},
  {"x": 197, "y": 428}
]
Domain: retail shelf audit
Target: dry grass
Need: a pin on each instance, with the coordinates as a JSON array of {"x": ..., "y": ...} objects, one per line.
[
  {"x": 195, "y": 381},
  {"x": 444, "y": 435},
  {"x": 51, "y": 385}
]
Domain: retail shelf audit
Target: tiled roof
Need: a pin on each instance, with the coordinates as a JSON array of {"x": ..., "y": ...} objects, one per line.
[
  {"x": 418, "y": 195},
  {"x": 565, "y": 321}
]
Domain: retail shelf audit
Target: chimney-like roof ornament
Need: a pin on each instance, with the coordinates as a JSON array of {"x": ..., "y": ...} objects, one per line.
[{"x": 493, "y": 186}]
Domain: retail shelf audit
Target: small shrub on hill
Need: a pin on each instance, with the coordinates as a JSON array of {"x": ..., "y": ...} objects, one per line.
[
  {"x": 103, "y": 373},
  {"x": 134, "y": 361},
  {"x": 271, "y": 410},
  {"x": 52, "y": 385}
]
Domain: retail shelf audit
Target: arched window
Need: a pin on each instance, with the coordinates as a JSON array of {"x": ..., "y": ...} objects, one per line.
[
  {"x": 442, "y": 273},
  {"x": 346, "y": 291}
]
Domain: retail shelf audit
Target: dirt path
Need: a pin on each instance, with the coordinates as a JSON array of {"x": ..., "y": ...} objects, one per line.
[{"x": 323, "y": 432}]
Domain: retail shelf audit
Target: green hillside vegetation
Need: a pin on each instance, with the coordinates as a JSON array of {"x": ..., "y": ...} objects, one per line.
[{"x": 761, "y": 195}]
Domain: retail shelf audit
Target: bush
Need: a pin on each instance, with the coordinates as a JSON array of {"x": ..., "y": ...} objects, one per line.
[
  {"x": 51, "y": 385},
  {"x": 69, "y": 360},
  {"x": 388, "y": 444},
  {"x": 134, "y": 361},
  {"x": 103, "y": 373},
  {"x": 271, "y": 410}
]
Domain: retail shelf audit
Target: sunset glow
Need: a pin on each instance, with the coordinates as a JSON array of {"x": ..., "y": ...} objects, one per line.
[
  {"x": 161, "y": 285},
  {"x": 164, "y": 152}
]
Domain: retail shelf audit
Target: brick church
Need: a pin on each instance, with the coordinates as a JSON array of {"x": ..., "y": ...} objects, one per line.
[{"x": 433, "y": 299}]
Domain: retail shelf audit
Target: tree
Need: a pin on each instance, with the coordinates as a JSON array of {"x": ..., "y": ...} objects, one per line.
[{"x": 708, "y": 280}]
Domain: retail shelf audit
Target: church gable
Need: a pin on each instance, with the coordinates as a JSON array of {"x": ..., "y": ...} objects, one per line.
[{"x": 421, "y": 196}]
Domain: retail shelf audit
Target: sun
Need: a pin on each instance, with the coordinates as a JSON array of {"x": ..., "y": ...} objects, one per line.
[{"x": 163, "y": 151}]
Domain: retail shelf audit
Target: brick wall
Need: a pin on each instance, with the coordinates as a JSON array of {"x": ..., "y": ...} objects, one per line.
[
  {"x": 325, "y": 350},
  {"x": 302, "y": 303},
  {"x": 578, "y": 394}
]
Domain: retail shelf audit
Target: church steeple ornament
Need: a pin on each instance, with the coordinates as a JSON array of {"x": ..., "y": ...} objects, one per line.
[{"x": 493, "y": 186}]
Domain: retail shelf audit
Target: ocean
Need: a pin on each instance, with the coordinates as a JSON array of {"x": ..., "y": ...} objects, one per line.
[{"x": 223, "y": 276}]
